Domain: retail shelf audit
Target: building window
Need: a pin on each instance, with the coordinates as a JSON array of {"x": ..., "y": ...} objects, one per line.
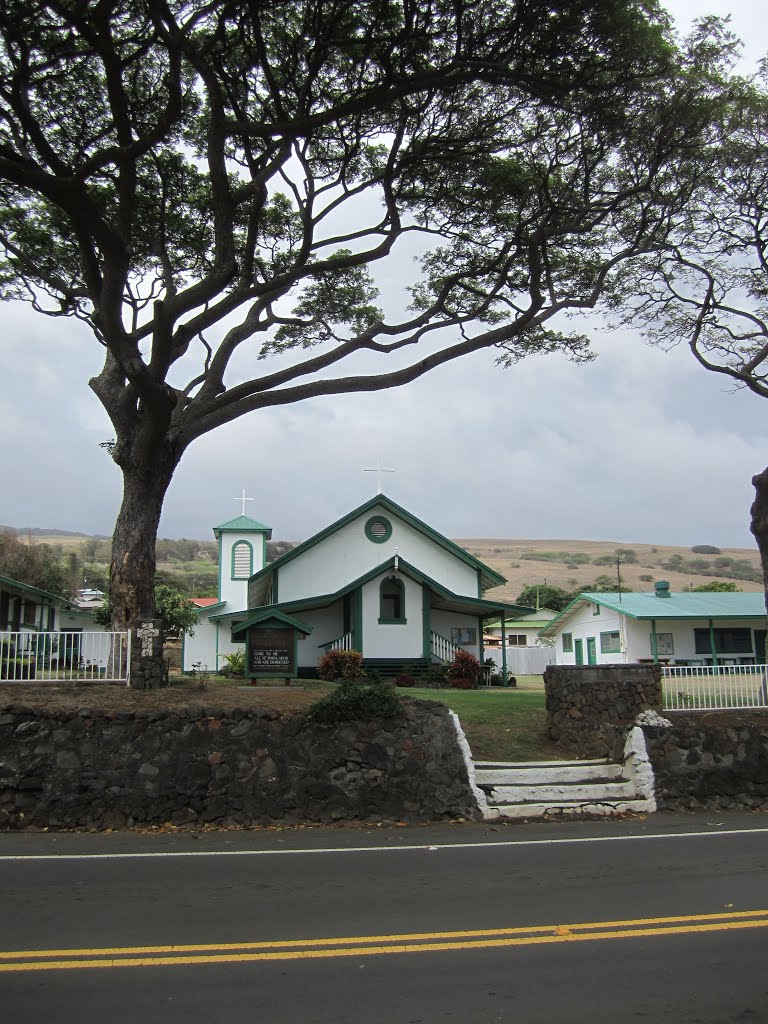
[
  {"x": 378, "y": 529},
  {"x": 595, "y": 609},
  {"x": 517, "y": 640},
  {"x": 242, "y": 560},
  {"x": 567, "y": 643},
  {"x": 610, "y": 643},
  {"x": 664, "y": 643},
  {"x": 29, "y": 613},
  {"x": 463, "y": 636},
  {"x": 392, "y": 600},
  {"x": 731, "y": 640}
]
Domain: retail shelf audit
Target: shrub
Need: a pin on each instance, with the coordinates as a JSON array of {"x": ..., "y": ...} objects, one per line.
[
  {"x": 705, "y": 549},
  {"x": 436, "y": 677},
  {"x": 235, "y": 663},
  {"x": 464, "y": 667},
  {"x": 338, "y": 664},
  {"x": 405, "y": 679},
  {"x": 463, "y": 683},
  {"x": 355, "y": 701}
]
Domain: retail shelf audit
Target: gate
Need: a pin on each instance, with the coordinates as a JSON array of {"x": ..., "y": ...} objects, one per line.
[
  {"x": 65, "y": 656},
  {"x": 714, "y": 687}
]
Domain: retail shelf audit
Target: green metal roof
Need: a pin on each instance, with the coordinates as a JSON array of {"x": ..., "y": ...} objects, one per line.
[
  {"x": 242, "y": 524},
  {"x": 267, "y": 617},
  {"x": 488, "y": 576},
  {"x": 528, "y": 620},
  {"x": 647, "y": 605},
  {"x": 27, "y": 589}
]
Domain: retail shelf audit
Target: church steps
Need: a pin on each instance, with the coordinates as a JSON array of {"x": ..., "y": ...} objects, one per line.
[{"x": 543, "y": 789}]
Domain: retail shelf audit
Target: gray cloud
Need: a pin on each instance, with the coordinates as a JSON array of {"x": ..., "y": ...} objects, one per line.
[{"x": 641, "y": 445}]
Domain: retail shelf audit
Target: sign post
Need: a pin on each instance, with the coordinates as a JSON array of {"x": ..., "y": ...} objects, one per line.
[
  {"x": 271, "y": 652},
  {"x": 271, "y": 645}
]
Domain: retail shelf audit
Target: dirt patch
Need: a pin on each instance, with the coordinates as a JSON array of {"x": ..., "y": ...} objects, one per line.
[
  {"x": 179, "y": 696},
  {"x": 722, "y": 719}
]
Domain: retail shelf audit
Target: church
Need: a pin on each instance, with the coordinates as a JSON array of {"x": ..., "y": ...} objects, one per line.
[{"x": 378, "y": 580}]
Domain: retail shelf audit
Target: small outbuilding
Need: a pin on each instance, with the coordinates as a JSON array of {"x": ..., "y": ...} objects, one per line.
[{"x": 696, "y": 628}]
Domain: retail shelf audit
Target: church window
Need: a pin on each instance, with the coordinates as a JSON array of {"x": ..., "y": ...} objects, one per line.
[
  {"x": 378, "y": 529},
  {"x": 392, "y": 600},
  {"x": 242, "y": 560}
]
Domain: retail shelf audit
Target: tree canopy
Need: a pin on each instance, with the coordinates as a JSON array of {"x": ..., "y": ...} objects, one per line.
[
  {"x": 178, "y": 613},
  {"x": 215, "y": 189},
  {"x": 707, "y": 287},
  {"x": 35, "y": 564}
]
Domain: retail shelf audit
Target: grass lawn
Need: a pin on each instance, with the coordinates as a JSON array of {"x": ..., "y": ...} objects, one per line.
[
  {"x": 504, "y": 724},
  {"x": 501, "y": 724}
]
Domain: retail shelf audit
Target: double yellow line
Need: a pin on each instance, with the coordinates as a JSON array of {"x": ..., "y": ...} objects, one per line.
[{"x": 374, "y": 945}]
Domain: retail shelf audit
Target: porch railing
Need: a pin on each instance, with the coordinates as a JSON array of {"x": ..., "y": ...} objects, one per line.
[
  {"x": 443, "y": 648},
  {"x": 341, "y": 643},
  {"x": 714, "y": 687},
  {"x": 64, "y": 657}
]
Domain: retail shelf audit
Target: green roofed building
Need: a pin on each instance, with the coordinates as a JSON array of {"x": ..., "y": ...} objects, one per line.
[
  {"x": 703, "y": 628},
  {"x": 378, "y": 580}
]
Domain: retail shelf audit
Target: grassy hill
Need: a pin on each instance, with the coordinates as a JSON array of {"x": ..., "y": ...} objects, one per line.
[
  {"x": 569, "y": 564},
  {"x": 578, "y": 563}
]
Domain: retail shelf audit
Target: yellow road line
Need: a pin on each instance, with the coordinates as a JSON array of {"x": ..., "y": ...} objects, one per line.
[{"x": 377, "y": 945}]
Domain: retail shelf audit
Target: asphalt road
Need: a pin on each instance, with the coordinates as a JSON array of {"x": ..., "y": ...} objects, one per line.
[{"x": 660, "y": 919}]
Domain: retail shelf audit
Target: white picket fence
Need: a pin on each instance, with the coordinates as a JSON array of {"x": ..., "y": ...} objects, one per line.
[
  {"x": 714, "y": 687},
  {"x": 523, "y": 661},
  {"x": 65, "y": 657}
]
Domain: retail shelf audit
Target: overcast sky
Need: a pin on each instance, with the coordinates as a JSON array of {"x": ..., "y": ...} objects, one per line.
[{"x": 640, "y": 445}]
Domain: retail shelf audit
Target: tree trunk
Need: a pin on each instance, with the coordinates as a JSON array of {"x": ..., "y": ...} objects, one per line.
[
  {"x": 132, "y": 572},
  {"x": 759, "y": 524}
]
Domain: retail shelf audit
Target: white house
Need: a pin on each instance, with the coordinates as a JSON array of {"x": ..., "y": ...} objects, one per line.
[
  {"x": 660, "y": 626},
  {"x": 242, "y": 551},
  {"x": 522, "y": 631},
  {"x": 378, "y": 580},
  {"x": 28, "y": 609},
  {"x": 515, "y": 645},
  {"x": 34, "y": 622}
]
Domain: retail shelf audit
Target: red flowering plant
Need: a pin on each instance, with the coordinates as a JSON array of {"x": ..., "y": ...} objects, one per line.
[{"x": 464, "y": 671}]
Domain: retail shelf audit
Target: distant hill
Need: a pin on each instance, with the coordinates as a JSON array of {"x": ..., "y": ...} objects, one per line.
[
  {"x": 569, "y": 564},
  {"x": 573, "y": 564},
  {"x": 40, "y": 531}
]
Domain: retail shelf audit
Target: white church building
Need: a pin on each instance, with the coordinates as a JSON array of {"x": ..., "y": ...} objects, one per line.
[{"x": 378, "y": 580}]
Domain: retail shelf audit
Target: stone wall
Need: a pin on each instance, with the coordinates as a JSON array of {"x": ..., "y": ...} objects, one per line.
[
  {"x": 712, "y": 760},
  {"x": 239, "y": 767},
  {"x": 591, "y": 707}
]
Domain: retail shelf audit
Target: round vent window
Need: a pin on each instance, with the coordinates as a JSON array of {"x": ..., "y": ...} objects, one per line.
[{"x": 378, "y": 529}]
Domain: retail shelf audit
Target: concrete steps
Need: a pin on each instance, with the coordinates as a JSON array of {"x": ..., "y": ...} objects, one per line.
[{"x": 544, "y": 789}]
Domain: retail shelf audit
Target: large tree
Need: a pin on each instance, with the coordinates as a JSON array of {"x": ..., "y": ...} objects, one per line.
[
  {"x": 194, "y": 180},
  {"x": 708, "y": 286}
]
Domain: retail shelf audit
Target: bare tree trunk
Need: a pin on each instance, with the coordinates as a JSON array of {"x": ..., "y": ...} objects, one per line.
[
  {"x": 759, "y": 524},
  {"x": 132, "y": 572}
]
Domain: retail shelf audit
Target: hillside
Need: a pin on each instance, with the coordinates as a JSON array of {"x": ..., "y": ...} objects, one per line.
[
  {"x": 578, "y": 563},
  {"x": 190, "y": 564}
]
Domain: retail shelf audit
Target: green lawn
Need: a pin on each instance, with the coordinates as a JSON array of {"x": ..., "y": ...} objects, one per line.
[{"x": 500, "y": 724}]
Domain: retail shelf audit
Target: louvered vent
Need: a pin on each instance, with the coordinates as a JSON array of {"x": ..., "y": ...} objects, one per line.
[{"x": 241, "y": 561}]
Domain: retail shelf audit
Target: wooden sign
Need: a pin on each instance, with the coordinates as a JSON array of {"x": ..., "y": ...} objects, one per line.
[{"x": 271, "y": 652}]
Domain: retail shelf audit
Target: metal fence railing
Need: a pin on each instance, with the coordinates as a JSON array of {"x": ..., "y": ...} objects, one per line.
[
  {"x": 714, "y": 687},
  {"x": 64, "y": 657}
]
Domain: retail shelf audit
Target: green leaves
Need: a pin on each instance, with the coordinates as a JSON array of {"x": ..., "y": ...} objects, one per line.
[{"x": 340, "y": 296}]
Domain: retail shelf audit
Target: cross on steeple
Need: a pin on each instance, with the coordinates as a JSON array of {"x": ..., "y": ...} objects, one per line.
[
  {"x": 243, "y": 499},
  {"x": 379, "y": 469}
]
